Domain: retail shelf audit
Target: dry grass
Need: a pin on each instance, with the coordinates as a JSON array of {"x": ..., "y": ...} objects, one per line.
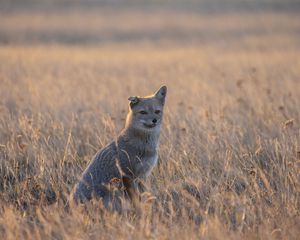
[{"x": 230, "y": 146}]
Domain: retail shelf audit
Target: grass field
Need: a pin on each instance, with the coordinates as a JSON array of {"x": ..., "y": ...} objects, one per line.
[{"x": 229, "y": 156}]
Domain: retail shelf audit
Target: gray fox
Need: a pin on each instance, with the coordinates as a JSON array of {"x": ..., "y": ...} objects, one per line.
[{"x": 125, "y": 163}]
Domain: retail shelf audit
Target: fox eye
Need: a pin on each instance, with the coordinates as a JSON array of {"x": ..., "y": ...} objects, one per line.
[
  {"x": 157, "y": 112},
  {"x": 143, "y": 112}
]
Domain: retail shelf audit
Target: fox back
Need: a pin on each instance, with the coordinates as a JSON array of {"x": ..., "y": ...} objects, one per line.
[{"x": 127, "y": 161}]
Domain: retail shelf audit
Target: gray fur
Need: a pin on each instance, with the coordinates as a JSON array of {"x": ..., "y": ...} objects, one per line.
[{"x": 129, "y": 158}]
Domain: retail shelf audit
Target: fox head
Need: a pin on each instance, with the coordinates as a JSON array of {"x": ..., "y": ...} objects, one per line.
[{"x": 146, "y": 113}]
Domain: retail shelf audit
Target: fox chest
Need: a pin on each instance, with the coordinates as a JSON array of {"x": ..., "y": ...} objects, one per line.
[
  {"x": 145, "y": 165},
  {"x": 138, "y": 163}
]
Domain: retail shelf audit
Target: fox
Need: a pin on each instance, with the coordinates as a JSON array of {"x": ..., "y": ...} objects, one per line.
[{"x": 126, "y": 162}]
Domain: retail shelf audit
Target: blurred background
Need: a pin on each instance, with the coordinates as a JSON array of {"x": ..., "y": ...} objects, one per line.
[{"x": 222, "y": 23}]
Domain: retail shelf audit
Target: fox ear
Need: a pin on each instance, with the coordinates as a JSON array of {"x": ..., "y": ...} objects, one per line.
[
  {"x": 133, "y": 101},
  {"x": 161, "y": 94}
]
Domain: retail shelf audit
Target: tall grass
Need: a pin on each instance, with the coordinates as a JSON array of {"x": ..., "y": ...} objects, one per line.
[{"x": 229, "y": 151}]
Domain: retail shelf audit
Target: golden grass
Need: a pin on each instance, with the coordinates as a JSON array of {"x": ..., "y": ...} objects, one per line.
[
  {"x": 230, "y": 144},
  {"x": 228, "y": 162}
]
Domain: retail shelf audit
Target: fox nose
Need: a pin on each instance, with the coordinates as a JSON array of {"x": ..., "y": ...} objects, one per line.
[{"x": 154, "y": 120}]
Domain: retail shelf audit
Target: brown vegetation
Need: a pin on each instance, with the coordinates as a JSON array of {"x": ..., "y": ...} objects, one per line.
[{"x": 229, "y": 154}]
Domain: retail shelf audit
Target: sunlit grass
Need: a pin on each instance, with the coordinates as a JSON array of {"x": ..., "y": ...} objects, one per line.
[{"x": 229, "y": 156}]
